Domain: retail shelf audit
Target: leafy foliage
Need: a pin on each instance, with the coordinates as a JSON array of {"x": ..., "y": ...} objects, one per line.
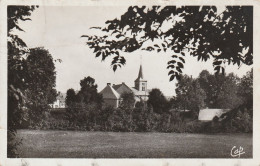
[
  {"x": 88, "y": 92},
  {"x": 17, "y": 74},
  {"x": 31, "y": 79},
  {"x": 189, "y": 94},
  {"x": 17, "y": 13},
  {"x": 40, "y": 82},
  {"x": 246, "y": 89},
  {"x": 227, "y": 92},
  {"x": 222, "y": 91},
  {"x": 71, "y": 97},
  {"x": 161, "y": 115},
  {"x": 158, "y": 101},
  {"x": 128, "y": 100},
  {"x": 199, "y": 31}
]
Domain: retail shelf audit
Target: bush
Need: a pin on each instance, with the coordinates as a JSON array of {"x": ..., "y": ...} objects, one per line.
[{"x": 91, "y": 117}]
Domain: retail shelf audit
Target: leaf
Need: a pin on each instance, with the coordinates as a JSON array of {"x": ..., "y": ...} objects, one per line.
[
  {"x": 178, "y": 69},
  {"x": 96, "y": 49},
  {"x": 149, "y": 48},
  {"x": 114, "y": 67},
  {"x": 115, "y": 59},
  {"x": 178, "y": 76},
  {"x": 103, "y": 56},
  {"x": 98, "y": 54},
  {"x": 217, "y": 68},
  {"x": 172, "y": 77},
  {"x": 180, "y": 64},
  {"x": 217, "y": 63},
  {"x": 159, "y": 50},
  {"x": 182, "y": 59},
  {"x": 156, "y": 45},
  {"x": 171, "y": 72},
  {"x": 223, "y": 70},
  {"x": 95, "y": 28},
  {"x": 170, "y": 66},
  {"x": 182, "y": 53},
  {"x": 84, "y": 36},
  {"x": 122, "y": 60},
  {"x": 107, "y": 53},
  {"x": 172, "y": 62},
  {"x": 174, "y": 56},
  {"x": 119, "y": 35},
  {"x": 163, "y": 45}
]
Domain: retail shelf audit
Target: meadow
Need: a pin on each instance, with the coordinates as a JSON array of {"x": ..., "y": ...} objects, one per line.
[{"x": 85, "y": 144}]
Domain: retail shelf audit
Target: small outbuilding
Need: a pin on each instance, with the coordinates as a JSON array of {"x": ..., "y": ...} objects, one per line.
[{"x": 208, "y": 114}]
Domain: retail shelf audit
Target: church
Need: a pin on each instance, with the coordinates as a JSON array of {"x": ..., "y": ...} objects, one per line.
[{"x": 112, "y": 93}]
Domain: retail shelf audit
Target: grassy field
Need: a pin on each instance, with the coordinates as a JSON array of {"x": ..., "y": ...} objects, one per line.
[{"x": 80, "y": 144}]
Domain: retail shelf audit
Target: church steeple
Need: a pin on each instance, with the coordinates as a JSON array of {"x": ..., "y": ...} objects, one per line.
[
  {"x": 140, "y": 82},
  {"x": 140, "y": 75}
]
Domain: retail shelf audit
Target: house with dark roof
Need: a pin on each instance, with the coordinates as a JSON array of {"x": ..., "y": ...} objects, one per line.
[{"x": 112, "y": 93}]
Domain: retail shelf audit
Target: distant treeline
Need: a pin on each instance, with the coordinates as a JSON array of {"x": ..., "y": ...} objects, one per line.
[{"x": 86, "y": 111}]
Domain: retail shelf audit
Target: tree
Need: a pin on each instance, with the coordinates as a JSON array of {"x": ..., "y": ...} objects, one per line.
[
  {"x": 199, "y": 31},
  {"x": 158, "y": 101},
  {"x": 17, "y": 51},
  {"x": 189, "y": 94},
  {"x": 128, "y": 100},
  {"x": 246, "y": 89},
  {"x": 221, "y": 90},
  {"x": 88, "y": 92},
  {"x": 227, "y": 93},
  {"x": 40, "y": 83},
  {"x": 126, "y": 107},
  {"x": 205, "y": 80},
  {"x": 70, "y": 97}
]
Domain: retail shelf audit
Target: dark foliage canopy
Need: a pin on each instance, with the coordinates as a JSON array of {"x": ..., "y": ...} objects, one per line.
[
  {"x": 88, "y": 92},
  {"x": 17, "y": 74},
  {"x": 128, "y": 100},
  {"x": 158, "y": 101},
  {"x": 70, "y": 97},
  {"x": 199, "y": 31},
  {"x": 189, "y": 94},
  {"x": 41, "y": 74}
]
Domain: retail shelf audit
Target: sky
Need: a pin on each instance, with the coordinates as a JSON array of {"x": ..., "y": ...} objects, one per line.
[{"x": 59, "y": 30}]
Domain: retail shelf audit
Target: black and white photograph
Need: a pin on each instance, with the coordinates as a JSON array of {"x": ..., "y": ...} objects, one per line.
[{"x": 129, "y": 81}]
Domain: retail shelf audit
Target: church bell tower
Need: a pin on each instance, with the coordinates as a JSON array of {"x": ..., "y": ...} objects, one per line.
[{"x": 140, "y": 82}]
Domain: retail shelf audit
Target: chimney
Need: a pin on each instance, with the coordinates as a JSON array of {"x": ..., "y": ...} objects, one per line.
[
  {"x": 123, "y": 82},
  {"x": 109, "y": 84}
]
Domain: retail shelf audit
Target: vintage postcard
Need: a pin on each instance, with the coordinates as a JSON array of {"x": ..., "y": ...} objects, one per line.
[{"x": 108, "y": 82}]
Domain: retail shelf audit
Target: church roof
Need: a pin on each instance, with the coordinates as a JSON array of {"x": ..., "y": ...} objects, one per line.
[
  {"x": 122, "y": 88},
  {"x": 117, "y": 86},
  {"x": 109, "y": 93},
  {"x": 140, "y": 75}
]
